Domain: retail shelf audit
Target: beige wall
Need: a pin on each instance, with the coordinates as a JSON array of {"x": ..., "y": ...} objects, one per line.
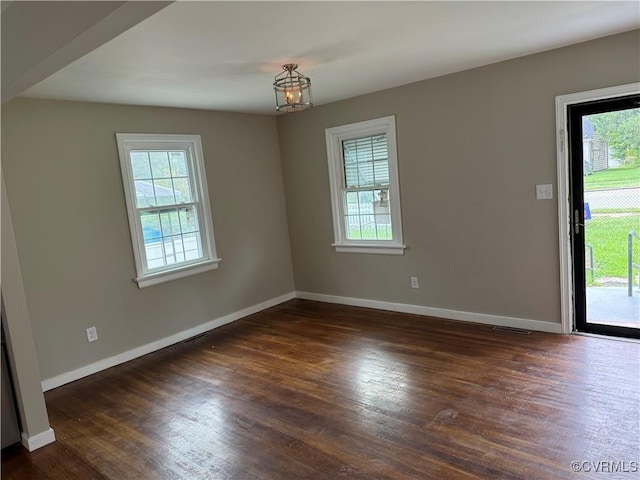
[
  {"x": 65, "y": 190},
  {"x": 471, "y": 148},
  {"x": 17, "y": 328}
]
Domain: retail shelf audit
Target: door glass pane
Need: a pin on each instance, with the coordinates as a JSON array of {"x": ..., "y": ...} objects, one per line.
[{"x": 611, "y": 173}]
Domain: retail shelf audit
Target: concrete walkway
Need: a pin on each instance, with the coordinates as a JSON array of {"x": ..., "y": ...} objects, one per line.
[{"x": 612, "y": 304}]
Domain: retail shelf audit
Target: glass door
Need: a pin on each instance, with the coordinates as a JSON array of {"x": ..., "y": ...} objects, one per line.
[{"x": 604, "y": 152}]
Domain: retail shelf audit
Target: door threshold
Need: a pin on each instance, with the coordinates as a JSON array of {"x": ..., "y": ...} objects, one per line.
[{"x": 607, "y": 337}]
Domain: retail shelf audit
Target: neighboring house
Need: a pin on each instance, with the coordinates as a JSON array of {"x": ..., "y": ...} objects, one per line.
[
  {"x": 595, "y": 151},
  {"x": 149, "y": 194}
]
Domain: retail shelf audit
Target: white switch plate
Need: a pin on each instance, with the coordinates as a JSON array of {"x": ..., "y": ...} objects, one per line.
[
  {"x": 92, "y": 334},
  {"x": 544, "y": 192},
  {"x": 414, "y": 282}
]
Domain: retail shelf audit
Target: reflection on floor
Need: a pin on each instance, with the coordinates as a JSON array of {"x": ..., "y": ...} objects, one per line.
[
  {"x": 612, "y": 305},
  {"x": 310, "y": 390}
]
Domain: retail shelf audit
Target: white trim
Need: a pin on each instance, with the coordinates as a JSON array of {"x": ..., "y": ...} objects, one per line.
[
  {"x": 525, "y": 323},
  {"x": 564, "y": 202},
  {"x": 334, "y": 137},
  {"x": 39, "y": 440},
  {"x": 123, "y": 357},
  {"x": 369, "y": 248},
  {"x": 187, "y": 271}
]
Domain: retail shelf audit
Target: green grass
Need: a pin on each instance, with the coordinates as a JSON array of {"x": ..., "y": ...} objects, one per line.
[
  {"x": 616, "y": 210},
  {"x": 613, "y": 178},
  {"x": 368, "y": 232},
  {"x": 608, "y": 236}
]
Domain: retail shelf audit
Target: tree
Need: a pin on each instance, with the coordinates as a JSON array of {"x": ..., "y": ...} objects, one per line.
[{"x": 621, "y": 130}]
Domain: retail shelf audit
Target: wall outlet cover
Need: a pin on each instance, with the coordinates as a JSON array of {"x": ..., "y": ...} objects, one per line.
[
  {"x": 92, "y": 334},
  {"x": 544, "y": 192}
]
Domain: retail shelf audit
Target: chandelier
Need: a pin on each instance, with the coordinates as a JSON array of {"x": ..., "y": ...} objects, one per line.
[{"x": 292, "y": 89}]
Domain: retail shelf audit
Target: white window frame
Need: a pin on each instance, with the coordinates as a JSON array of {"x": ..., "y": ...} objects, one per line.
[
  {"x": 334, "y": 138},
  {"x": 191, "y": 144}
]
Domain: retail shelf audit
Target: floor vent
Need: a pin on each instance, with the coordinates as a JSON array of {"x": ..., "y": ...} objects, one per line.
[
  {"x": 195, "y": 337},
  {"x": 516, "y": 331}
]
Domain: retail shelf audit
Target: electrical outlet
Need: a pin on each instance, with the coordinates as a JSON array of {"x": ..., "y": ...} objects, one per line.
[
  {"x": 414, "y": 282},
  {"x": 92, "y": 334}
]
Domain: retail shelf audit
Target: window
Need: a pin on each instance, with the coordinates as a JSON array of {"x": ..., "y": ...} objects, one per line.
[
  {"x": 168, "y": 205},
  {"x": 365, "y": 196}
]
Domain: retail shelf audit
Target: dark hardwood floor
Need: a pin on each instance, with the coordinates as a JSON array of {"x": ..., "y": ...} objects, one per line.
[{"x": 307, "y": 390}]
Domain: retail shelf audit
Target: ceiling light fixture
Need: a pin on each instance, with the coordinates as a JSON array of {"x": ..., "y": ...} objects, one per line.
[{"x": 292, "y": 89}]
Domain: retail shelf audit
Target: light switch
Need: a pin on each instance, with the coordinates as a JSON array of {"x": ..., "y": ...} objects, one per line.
[{"x": 544, "y": 192}]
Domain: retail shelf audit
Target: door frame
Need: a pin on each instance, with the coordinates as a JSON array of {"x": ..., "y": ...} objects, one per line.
[{"x": 564, "y": 199}]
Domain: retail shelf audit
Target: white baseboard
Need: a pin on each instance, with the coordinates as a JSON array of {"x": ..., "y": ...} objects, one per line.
[
  {"x": 123, "y": 357},
  {"x": 41, "y": 439},
  {"x": 523, "y": 323}
]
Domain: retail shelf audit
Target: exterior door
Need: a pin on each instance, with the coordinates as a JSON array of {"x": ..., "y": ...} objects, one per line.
[{"x": 604, "y": 151}]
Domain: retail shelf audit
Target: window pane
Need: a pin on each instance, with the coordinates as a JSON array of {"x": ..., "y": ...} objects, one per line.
[
  {"x": 352, "y": 227},
  {"x": 140, "y": 165},
  {"x": 367, "y": 215},
  {"x": 381, "y": 199},
  {"x": 352, "y": 178},
  {"x": 363, "y": 149},
  {"x": 151, "y": 231},
  {"x": 145, "y": 196},
  {"x": 366, "y": 161},
  {"x": 182, "y": 190},
  {"x": 365, "y": 174},
  {"x": 381, "y": 208},
  {"x": 188, "y": 219},
  {"x": 152, "y": 238},
  {"x": 169, "y": 222},
  {"x": 192, "y": 248},
  {"x": 160, "y": 164},
  {"x": 379, "y": 148},
  {"x": 171, "y": 236},
  {"x": 351, "y": 203},
  {"x": 178, "y": 164},
  {"x": 365, "y": 200},
  {"x": 369, "y": 231},
  {"x": 384, "y": 232},
  {"x": 169, "y": 256},
  {"x": 174, "y": 249},
  {"x": 381, "y": 172},
  {"x": 164, "y": 192}
]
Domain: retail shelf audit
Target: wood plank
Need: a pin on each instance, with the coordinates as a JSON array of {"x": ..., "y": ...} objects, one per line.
[{"x": 308, "y": 390}]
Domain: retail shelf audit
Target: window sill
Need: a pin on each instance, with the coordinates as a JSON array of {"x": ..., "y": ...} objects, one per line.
[
  {"x": 369, "y": 248},
  {"x": 186, "y": 271}
]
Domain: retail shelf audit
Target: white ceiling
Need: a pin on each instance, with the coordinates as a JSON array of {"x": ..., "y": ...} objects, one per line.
[{"x": 223, "y": 55}]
